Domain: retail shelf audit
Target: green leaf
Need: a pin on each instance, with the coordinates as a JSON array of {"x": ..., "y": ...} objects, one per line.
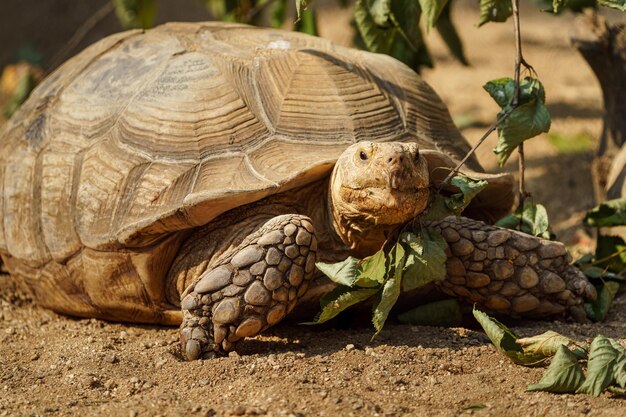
[
  {"x": 598, "y": 309},
  {"x": 343, "y": 272},
  {"x": 391, "y": 291},
  {"x": 445, "y": 313},
  {"x": 450, "y": 37},
  {"x": 525, "y": 122},
  {"x": 432, "y": 10},
  {"x": 608, "y": 214},
  {"x": 595, "y": 272},
  {"x": 494, "y": 11},
  {"x": 381, "y": 13},
  {"x": 441, "y": 206},
  {"x": 602, "y": 358},
  {"x": 557, "y": 5},
  {"x": 372, "y": 271},
  {"x": 615, "y": 4},
  {"x": 339, "y": 299},
  {"x": 475, "y": 407},
  {"x": 505, "y": 341},
  {"x": 409, "y": 46},
  {"x": 397, "y": 33},
  {"x": 375, "y": 38},
  {"x": 611, "y": 253},
  {"x": 547, "y": 344},
  {"x": 620, "y": 370},
  {"x": 502, "y": 338},
  {"x": 307, "y": 23},
  {"x": 301, "y": 6},
  {"x": 528, "y": 120},
  {"x": 563, "y": 375},
  {"x": 501, "y": 90},
  {"x": 135, "y": 13},
  {"x": 530, "y": 218},
  {"x": 469, "y": 189},
  {"x": 425, "y": 259}
]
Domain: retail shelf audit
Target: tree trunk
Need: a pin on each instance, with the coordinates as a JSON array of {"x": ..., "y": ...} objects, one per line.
[{"x": 604, "y": 49}]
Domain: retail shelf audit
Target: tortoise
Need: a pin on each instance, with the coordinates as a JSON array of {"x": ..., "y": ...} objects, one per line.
[{"x": 194, "y": 173}]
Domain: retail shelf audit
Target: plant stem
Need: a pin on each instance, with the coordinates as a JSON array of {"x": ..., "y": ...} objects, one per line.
[
  {"x": 519, "y": 61},
  {"x": 480, "y": 142}
]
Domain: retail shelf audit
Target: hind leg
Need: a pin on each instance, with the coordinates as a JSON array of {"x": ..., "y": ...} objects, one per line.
[{"x": 250, "y": 289}]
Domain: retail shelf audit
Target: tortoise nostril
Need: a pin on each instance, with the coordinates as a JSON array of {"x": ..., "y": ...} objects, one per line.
[{"x": 401, "y": 159}]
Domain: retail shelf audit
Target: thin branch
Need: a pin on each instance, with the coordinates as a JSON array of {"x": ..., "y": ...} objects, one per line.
[
  {"x": 476, "y": 146},
  {"x": 522, "y": 168},
  {"x": 519, "y": 61},
  {"x": 80, "y": 33}
]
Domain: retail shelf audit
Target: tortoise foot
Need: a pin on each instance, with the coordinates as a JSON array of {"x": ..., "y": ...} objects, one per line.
[
  {"x": 250, "y": 289},
  {"x": 510, "y": 272}
]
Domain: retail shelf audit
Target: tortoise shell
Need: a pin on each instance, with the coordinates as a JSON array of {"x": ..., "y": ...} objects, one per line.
[{"x": 147, "y": 133}]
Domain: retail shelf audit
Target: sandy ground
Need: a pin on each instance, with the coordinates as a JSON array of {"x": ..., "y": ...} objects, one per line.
[{"x": 55, "y": 366}]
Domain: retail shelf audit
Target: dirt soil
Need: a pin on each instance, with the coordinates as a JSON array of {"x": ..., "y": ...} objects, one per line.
[{"x": 52, "y": 365}]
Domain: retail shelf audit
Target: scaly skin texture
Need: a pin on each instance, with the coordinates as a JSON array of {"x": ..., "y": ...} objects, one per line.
[
  {"x": 511, "y": 272},
  {"x": 246, "y": 271}
]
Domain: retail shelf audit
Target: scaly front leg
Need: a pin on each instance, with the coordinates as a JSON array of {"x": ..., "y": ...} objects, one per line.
[
  {"x": 250, "y": 289},
  {"x": 511, "y": 272}
]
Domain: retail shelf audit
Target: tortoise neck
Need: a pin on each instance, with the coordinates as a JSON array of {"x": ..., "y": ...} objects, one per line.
[{"x": 357, "y": 230}]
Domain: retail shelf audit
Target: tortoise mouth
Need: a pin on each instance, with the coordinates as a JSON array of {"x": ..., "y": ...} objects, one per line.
[{"x": 387, "y": 205}]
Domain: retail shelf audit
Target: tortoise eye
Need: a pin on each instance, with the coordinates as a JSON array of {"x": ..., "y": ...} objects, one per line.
[{"x": 363, "y": 156}]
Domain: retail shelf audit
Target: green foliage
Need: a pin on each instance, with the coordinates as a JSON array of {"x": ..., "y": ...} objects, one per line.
[
  {"x": 307, "y": 22},
  {"x": 615, "y": 4},
  {"x": 606, "y": 269},
  {"x": 530, "y": 218},
  {"x": 600, "y": 372},
  {"x": 505, "y": 340},
  {"x": 598, "y": 309},
  {"x": 442, "y": 206},
  {"x": 558, "y": 6},
  {"x": 606, "y": 360},
  {"x": 608, "y": 214},
  {"x": 432, "y": 10},
  {"x": 494, "y": 11},
  {"x": 425, "y": 259},
  {"x": 445, "y": 313},
  {"x": 301, "y": 6},
  {"x": 450, "y": 36},
  {"x": 576, "y": 143},
  {"x": 390, "y": 291},
  {"x": 415, "y": 260},
  {"x": 339, "y": 299},
  {"x": 136, "y": 13},
  {"x": 563, "y": 375},
  {"x": 342, "y": 273},
  {"x": 392, "y": 28},
  {"x": 526, "y": 120},
  {"x": 546, "y": 344}
]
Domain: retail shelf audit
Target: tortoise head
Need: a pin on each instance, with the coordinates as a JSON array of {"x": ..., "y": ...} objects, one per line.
[{"x": 376, "y": 187}]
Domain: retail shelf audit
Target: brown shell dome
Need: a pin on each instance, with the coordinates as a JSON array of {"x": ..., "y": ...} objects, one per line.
[{"x": 146, "y": 133}]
